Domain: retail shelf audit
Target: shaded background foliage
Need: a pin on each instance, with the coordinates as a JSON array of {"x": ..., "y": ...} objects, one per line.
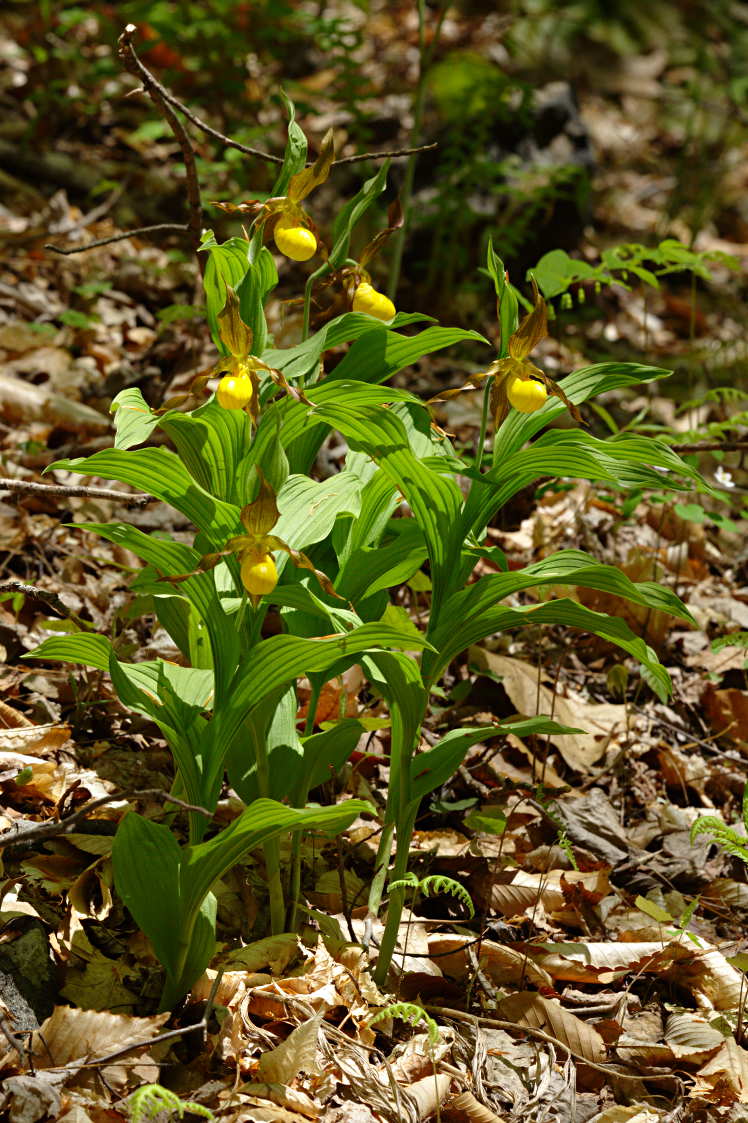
[{"x": 515, "y": 161}]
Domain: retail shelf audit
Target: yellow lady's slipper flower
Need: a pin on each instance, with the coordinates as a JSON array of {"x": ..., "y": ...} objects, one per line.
[
  {"x": 293, "y": 240},
  {"x": 259, "y": 575},
  {"x": 525, "y": 394},
  {"x": 282, "y": 217},
  {"x": 235, "y": 391},
  {"x": 515, "y": 379},
  {"x": 254, "y": 549},
  {"x": 367, "y": 299}
]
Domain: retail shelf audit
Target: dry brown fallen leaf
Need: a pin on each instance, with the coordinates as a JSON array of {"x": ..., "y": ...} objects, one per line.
[
  {"x": 530, "y": 1009},
  {"x": 703, "y": 969},
  {"x": 70, "y": 1038},
  {"x": 604, "y": 722},
  {"x": 503, "y": 965},
  {"x": 724, "y": 1078},
  {"x": 515, "y": 891}
]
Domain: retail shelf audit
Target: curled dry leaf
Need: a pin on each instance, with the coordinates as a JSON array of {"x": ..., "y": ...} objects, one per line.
[
  {"x": 724, "y": 1079},
  {"x": 529, "y": 1009},
  {"x": 604, "y": 722},
  {"x": 515, "y": 891},
  {"x": 69, "y": 1038},
  {"x": 691, "y": 1037},
  {"x": 704, "y": 970},
  {"x": 503, "y": 965},
  {"x": 298, "y": 1053},
  {"x": 428, "y": 1094},
  {"x": 466, "y": 1107}
]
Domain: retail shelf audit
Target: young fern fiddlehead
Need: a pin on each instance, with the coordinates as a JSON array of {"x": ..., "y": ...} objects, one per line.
[
  {"x": 412, "y": 1014},
  {"x": 436, "y": 885}
]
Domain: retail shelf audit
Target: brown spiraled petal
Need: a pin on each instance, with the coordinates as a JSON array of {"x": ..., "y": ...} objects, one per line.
[
  {"x": 235, "y": 335},
  {"x": 306, "y": 180},
  {"x": 395, "y": 219},
  {"x": 280, "y": 380},
  {"x": 303, "y": 562},
  {"x": 251, "y": 206},
  {"x": 533, "y": 328},
  {"x": 499, "y": 404},
  {"x": 553, "y": 388}
]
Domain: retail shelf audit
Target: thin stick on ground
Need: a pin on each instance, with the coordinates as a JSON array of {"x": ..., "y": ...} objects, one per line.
[
  {"x": 158, "y": 228},
  {"x": 130, "y": 499},
  {"x": 23, "y": 835}
]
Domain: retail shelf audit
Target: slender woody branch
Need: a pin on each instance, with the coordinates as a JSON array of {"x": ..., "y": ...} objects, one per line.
[
  {"x": 131, "y": 499},
  {"x": 160, "y": 98},
  {"x": 229, "y": 142},
  {"x": 160, "y": 227}
]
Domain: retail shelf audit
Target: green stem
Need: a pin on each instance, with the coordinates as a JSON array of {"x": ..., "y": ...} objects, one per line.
[
  {"x": 397, "y": 900},
  {"x": 271, "y": 849},
  {"x": 483, "y": 426},
  {"x": 294, "y": 890}
]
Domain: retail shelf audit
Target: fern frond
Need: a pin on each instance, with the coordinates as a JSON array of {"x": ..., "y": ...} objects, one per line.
[
  {"x": 437, "y": 884},
  {"x": 152, "y": 1100},
  {"x": 722, "y": 835},
  {"x": 412, "y": 1014},
  {"x": 407, "y": 881}
]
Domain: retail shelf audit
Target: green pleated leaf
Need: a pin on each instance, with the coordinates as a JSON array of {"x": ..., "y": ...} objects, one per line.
[
  {"x": 146, "y": 858},
  {"x": 278, "y": 661},
  {"x": 308, "y": 508},
  {"x": 627, "y": 461},
  {"x": 562, "y": 611},
  {"x": 430, "y": 769},
  {"x": 174, "y": 559},
  {"x": 134, "y": 420},
  {"x": 88, "y": 650},
  {"x": 294, "y": 157},
  {"x": 434, "y": 499},
  {"x": 161, "y": 473},
  {"x": 226, "y": 265},
  {"x": 300, "y": 361},
  {"x": 213, "y": 443},
  {"x": 259, "y": 280},
  {"x": 372, "y": 568},
  {"x": 352, "y": 213}
]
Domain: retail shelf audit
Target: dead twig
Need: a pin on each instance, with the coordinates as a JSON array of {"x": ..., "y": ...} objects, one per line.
[
  {"x": 534, "y": 1031},
  {"x": 269, "y": 157},
  {"x": 394, "y": 154},
  {"x": 712, "y": 446},
  {"x": 22, "y": 835},
  {"x": 32, "y": 592},
  {"x": 159, "y": 97},
  {"x": 160, "y": 227},
  {"x": 130, "y": 499}
]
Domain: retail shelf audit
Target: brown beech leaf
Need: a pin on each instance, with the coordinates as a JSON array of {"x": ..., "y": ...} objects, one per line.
[{"x": 530, "y": 1009}]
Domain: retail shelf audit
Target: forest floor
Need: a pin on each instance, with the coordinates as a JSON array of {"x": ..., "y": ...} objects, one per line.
[{"x": 602, "y": 975}]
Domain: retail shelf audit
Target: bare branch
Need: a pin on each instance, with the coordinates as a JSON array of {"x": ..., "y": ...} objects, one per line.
[
  {"x": 712, "y": 446},
  {"x": 392, "y": 155},
  {"x": 167, "y": 95},
  {"x": 269, "y": 158},
  {"x": 22, "y": 834},
  {"x": 32, "y": 592},
  {"x": 130, "y": 499},
  {"x": 160, "y": 98},
  {"x": 160, "y": 227}
]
